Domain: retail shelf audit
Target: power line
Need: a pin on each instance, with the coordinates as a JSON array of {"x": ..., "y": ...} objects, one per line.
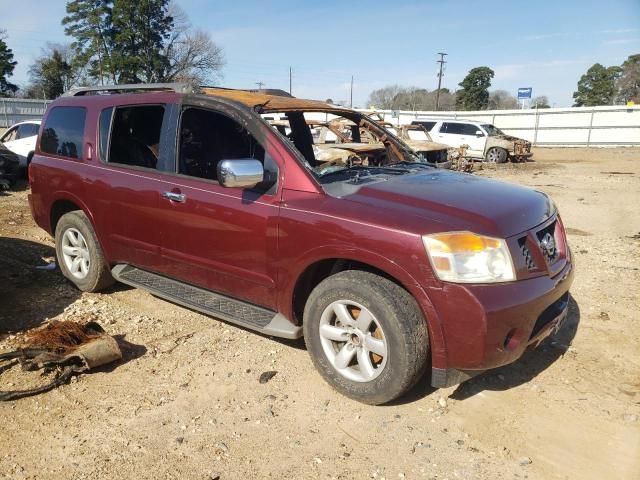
[{"x": 441, "y": 62}]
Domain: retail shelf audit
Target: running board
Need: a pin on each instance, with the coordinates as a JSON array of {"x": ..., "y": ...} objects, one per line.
[{"x": 214, "y": 304}]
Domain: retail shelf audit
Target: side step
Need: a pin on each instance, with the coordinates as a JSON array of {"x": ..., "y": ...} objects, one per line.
[{"x": 214, "y": 304}]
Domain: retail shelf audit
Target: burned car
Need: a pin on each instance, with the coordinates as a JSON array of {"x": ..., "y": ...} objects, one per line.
[
  {"x": 415, "y": 137},
  {"x": 9, "y": 164}
]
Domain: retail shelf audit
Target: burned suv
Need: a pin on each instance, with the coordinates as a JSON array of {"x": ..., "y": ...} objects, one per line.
[{"x": 387, "y": 266}]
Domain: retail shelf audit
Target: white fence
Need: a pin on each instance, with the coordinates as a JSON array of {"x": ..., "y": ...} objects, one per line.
[
  {"x": 576, "y": 126},
  {"x": 14, "y": 110}
]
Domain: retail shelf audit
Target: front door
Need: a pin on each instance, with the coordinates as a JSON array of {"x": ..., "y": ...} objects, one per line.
[
  {"x": 456, "y": 134},
  {"x": 222, "y": 239}
]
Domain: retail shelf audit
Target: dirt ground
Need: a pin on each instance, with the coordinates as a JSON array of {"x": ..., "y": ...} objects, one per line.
[{"x": 186, "y": 401}]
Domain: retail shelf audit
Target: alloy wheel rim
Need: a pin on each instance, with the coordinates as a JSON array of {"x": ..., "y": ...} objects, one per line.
[
  {"x": 75, "y": 253},
  {"x": 353, "y": 341}
]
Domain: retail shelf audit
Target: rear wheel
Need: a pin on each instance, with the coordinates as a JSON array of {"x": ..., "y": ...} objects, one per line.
[
  {"x": 79, "y": 254},
  {"x": 497, "y": 155},
  {"x": 366, "y": 336}
]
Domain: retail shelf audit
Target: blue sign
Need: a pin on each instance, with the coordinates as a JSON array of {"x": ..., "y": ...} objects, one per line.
[{"x": 524, "y": 93}]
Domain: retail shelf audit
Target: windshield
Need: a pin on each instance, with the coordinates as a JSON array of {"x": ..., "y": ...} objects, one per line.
[
  {"x": 331, "y": 142},
  {"x": 491, "y": 129}
]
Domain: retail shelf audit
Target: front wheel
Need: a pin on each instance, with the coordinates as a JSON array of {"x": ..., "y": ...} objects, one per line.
[
  {"x": 497, "y": 155},
  {"x": 366, "y": 336},
  {"x": 79, "y": 254}
]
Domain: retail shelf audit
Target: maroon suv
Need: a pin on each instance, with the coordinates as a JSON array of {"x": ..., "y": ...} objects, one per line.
[{"x": 386, "y": 265}]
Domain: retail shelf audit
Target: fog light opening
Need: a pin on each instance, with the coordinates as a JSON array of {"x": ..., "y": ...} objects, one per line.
[{"x": 511, "y": 342}]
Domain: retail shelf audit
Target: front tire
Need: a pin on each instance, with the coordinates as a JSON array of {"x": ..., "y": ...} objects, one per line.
[
  {"x": 366, "y": 336},
  {"x": 497, "y": 155},
  {"x": 79, "y": 254}
]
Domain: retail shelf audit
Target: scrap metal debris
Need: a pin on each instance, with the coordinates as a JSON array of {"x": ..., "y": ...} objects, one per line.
[{"x": 66, "y": 346}]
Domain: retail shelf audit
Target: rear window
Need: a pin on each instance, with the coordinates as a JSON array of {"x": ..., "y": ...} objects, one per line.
[{"x": 63, "y": 132}]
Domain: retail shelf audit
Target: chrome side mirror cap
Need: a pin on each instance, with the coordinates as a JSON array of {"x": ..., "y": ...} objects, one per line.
[{"x": 245, "y": 173}]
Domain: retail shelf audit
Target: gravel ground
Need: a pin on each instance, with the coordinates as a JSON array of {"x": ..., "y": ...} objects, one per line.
[{"x": 186, "y": 401}]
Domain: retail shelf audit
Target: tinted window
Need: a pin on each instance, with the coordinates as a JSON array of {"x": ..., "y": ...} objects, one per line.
[
  {"x": 105, "y": 126},
  {"x": 459, "y": 128},
  {"x": 135, "y": 135},
  {"x": 208, "y": 137},
  {"x": 425, "y": 124},
  {"x": 27, "y": 130},
  {"x": 63, "y": 132}
]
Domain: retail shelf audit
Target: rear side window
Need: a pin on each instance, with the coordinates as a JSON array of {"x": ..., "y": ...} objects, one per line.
[
  {"x": 63, "y": 132},
  {"x": 135, "y": 135},
  {"x": 458, "y": 128}
]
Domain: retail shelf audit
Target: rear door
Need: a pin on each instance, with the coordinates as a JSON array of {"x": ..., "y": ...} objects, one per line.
[
  {"x": 222, "y": 239},
  {"x": 135, "y": 151}
]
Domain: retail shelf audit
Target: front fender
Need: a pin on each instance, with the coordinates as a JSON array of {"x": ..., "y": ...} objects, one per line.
[{"x": 378, "y": 261}]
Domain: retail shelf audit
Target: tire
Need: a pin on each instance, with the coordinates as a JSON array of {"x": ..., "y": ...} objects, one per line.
[
  {"x": 397, "y": 331},
  {"x": 497, "y": 155},
  {"x": 79, "y": 254}
]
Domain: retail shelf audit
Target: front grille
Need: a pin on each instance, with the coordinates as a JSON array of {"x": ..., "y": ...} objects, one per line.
[
  {"x": 526, "y": 254},
  {"x": 548, "y": 242}
]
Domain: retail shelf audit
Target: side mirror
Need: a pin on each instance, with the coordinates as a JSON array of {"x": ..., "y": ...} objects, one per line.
[
  {"x": 246, "y": 173},
  {"x": 479, "y": 133}
]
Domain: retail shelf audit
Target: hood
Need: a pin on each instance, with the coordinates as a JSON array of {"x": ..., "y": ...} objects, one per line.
[
  {"x": 441, "y": 200},
  {"x": 508, "y": 138}
]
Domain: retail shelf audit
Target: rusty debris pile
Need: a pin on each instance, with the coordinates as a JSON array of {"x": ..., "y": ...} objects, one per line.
[{"x": 64, "y": 347}]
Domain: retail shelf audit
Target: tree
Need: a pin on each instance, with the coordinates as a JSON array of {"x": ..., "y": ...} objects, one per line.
[
  {"x": 383, "y": 98},
  {"x": 474, "y": 94},
  {"x": 141, "y": 28},
  {"x": 192, "y": 56},
  {"x": 597, "y": 86},
  {"x": 629, "y": 82},
  {"x": 540, "y": 102},
  {"x": 53, "y": 73},
  {"x": 502, "y": 100},
  {"x": 7, "y": 64},
  {"x": 89, "y": 22}
]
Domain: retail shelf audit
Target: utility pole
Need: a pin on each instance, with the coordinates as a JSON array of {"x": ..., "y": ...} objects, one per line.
[
  {"x": 290, "y": 75},
  {"x": 441, "y": 62},
  {"x": 260, "y": 85},
  {"x": 351, "y": 94}
]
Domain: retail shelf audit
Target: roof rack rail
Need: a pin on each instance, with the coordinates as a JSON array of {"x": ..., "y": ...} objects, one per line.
[{"x": 133, "y": 87}]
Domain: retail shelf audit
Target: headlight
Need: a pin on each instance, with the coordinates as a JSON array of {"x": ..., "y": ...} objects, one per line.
[{"x": 464, "y": 257}]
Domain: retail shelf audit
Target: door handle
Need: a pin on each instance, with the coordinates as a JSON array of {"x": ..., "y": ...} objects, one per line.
[{"x": 174, "y": 197}]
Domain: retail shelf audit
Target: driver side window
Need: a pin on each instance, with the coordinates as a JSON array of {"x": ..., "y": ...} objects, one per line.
[{"x": 208, "y": 137}]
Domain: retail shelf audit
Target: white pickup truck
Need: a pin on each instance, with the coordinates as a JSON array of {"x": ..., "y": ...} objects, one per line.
[{"x": 484, "y": 140}]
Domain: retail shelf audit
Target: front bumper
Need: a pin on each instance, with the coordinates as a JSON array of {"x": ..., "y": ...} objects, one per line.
[{"x": 490, "y": 326}]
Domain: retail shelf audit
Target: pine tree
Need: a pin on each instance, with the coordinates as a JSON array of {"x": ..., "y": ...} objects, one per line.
[
  {"x": 474, "y": 94},
  {"x": 597, "y": 86},
  {"x": 7, "y": 64}
]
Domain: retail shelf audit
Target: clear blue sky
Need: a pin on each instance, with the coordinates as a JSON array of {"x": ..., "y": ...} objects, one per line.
[{"x": 543, "y": 44}]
